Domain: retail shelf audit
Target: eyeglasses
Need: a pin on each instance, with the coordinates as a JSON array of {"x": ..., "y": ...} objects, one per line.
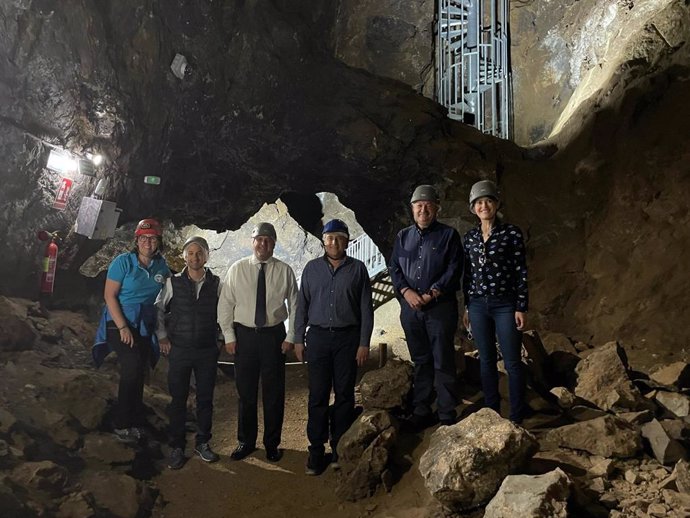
[{"x": 150, "y": 239}]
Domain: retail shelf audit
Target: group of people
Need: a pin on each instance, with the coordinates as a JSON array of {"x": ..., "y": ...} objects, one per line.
[{"x": 329, "y": 324}]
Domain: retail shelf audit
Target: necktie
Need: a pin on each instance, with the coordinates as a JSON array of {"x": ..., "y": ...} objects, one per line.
[{"x": 260, "y": 314}]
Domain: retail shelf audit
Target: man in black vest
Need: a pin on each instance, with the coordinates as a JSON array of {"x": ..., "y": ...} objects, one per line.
[{"x": 188, "y": 333}]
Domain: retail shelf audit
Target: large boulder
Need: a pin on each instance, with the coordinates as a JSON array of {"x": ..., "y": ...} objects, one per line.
[
  {"x": 603, "y": 379},
  {"x": 666, "y": 449},
  {"x": 531, "y": 496},
  {"x": 608, "y": 436},
  {"x": 363, "y": 454},
  {"x": 675, "y": 374},
  {"x": 386, "y": 388},
  {"x": 465, "y": 463}
]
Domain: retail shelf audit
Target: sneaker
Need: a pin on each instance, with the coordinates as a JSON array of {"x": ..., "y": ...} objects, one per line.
[
  {"x": 177, "y": 459},
  {"x": 129, "y": 434},
  {"x": 206, "y": 453},
  {"x": 316, "y": 464}
]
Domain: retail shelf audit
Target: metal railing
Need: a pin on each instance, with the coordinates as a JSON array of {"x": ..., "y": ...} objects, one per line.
[
  {"x": 364, "y": 249},
  {"x": 472, "y": 63}
]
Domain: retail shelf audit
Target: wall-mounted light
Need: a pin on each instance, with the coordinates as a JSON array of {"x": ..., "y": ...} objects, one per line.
[{"x": 61, "y": 161}]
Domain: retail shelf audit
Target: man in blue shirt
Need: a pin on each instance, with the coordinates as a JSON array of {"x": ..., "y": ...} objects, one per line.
[
  {"x": 335, "y": 302},
  {"x": 426, "y": 268}
]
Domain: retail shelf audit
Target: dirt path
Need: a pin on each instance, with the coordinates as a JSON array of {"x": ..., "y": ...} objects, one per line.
[{"x": 257, "y": 488}]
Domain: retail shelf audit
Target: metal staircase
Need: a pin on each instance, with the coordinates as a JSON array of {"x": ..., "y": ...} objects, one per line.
[
  {"x": 364, "y": 249},
  {"x": 472, "y": 63}
]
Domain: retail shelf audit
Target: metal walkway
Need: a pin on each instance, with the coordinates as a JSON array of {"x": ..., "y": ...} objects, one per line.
[{"x": 472, "y": 63}]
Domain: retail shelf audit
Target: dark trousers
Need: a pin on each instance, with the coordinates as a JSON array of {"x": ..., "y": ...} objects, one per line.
[
  {"x": 203, "y": 363},
  {"x": 259, "y": 355},
  {"x": 491, "y": 317},
  {"x": 430, "y": 336},
  {"x": 332, "y": 364},
  {"x": 134, "y": 363}
]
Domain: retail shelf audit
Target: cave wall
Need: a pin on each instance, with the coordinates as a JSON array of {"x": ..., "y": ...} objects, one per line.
[
  {"x": 265, "y": 108},
  {"x": 268, "y": 107}
]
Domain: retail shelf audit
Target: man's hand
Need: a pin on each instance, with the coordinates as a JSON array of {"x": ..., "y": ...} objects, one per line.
[
  {"x": 413, "y": 299},
  {"x": 165, "y": 345},
  {"x": 362, "y": 355},
  {"x": 231, "y": 347},
  {"x": 286, "y": 347},
  {"x": 299, "y": 352},
  {"x": 520, "y": 320},
  {"x": 466, "y": 320}
]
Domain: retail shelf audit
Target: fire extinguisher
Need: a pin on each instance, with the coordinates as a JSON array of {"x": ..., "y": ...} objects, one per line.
[{"x": 49, "y": 260}]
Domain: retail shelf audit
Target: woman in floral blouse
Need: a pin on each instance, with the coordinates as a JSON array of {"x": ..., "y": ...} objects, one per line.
[{"x": 495, "y": 289}]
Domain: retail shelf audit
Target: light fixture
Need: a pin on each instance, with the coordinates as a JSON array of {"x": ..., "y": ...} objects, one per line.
[
  {"x": 97, "y": 160},
  {"x": 61, "y": 161}
]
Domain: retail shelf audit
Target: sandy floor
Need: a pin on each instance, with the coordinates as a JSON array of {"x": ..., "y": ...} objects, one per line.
[{"x": 257, "y": 488}]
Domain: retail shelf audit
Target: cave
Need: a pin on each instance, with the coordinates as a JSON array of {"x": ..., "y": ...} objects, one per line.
[{"x": 280, "y": 101}]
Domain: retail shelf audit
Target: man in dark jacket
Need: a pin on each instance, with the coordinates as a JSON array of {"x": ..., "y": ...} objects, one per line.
[
  {"x": 425, "y": 268},
  {"x": 188, "y": 333}
]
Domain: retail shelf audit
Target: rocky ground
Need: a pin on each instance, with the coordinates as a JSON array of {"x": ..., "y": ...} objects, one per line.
[{"x": 617, "y": 436}]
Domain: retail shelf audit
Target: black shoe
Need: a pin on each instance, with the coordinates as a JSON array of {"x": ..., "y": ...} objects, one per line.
[
  {"x": 243, "y": 450},
  {"x": 273, "y": 454},
  {"x": 316, "y": 464},
  {"x": 448, "y": 421},
  {"x": 418, "y": 423},
  {"x": 177, "y": 458}
]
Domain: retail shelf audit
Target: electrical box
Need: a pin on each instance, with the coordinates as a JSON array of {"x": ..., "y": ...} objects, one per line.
[{"x": 97, "y": 219}]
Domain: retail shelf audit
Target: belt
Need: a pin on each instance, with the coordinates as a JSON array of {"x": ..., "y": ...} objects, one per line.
[
  {"x": 336, "y": 329},
  {"x": 259, "y": 329}
]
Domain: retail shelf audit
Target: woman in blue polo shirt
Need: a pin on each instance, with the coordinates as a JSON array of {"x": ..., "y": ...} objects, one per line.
[
  {"x": 495, "y": 289},
  {"x": 132, "y": 284}
]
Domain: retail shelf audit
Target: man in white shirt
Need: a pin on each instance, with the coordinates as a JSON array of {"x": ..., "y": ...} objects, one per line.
[{"x": 257, "y": 295}]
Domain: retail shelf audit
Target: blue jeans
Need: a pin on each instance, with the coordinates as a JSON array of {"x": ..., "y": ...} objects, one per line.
[{"x": 492, "y": 317}]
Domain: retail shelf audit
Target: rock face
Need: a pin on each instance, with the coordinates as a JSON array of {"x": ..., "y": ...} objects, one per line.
[
  {"x": 603, "y": 379},
  {"x": 537, "y": 496},
  {"x": 465, "y": 463},
  {"x": 386, "y": 388},
  {"x": 15, "y": 333},
  {"x": 363, "y": 454}
]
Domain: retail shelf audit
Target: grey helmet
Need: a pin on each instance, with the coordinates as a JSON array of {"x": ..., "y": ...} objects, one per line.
[
  {"x": 264, "y": 229},
  {"x": 480, "y": 190},
  {"x": 199, "y": 241},
  {"x": 425, "y": 193},
  {"x": 196, "y": 240}
]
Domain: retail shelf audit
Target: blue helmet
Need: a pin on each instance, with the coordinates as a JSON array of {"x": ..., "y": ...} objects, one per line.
[{"x": 336, "y": 226}]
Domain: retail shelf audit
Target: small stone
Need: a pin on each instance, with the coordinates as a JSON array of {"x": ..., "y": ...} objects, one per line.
[
  {"x": 632, "y": 477},
  {"x": 598, "y": 485},
  {"x": 609, "y": 500},
  {"x": 657, "y": 510}
]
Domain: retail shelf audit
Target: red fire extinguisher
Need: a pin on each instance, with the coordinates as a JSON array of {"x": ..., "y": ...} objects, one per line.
[{"x": 49, "y": 260}]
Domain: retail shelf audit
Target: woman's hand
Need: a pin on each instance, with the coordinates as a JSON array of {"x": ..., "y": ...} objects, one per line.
[
  {"x": 126, "y": 336},
  {"x": 520, "y": 320}
]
